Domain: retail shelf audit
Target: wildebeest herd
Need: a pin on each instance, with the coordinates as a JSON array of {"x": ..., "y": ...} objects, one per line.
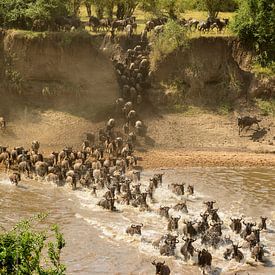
[
  {"x": 106, "y": 162},
  {"x": 129, "y": 25}
]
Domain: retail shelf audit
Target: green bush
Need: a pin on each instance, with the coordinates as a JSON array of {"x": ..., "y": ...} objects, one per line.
[
  {"x": 24, "y": 14},
  {"x": 255, "y": 25},
  {"x": 21, "y": 250},
  {"x": 173, "y": 37}
]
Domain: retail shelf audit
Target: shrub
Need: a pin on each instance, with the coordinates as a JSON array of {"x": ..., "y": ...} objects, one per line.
[
  {"x": 173, "y": 37},
  {"x": 21, "y": 250},
  {"x": 255, "y": 24}
]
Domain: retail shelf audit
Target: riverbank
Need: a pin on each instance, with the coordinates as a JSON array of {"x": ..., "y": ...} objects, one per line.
[{"x": 154, "y": 159}]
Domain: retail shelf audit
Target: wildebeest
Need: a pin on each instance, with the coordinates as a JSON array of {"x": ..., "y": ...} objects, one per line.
[
  {"x": 204, "y": 258},
  {"x": 190, "y": 189},
  {"x": 167, "y": 237},
  {"x": 209, "y": 205},
  {"x": 15, "y": 178},
  {"x": 134, "y": 229},
  {"x": 236, "y": 225},
  {"x": 168, "y": 248},
  {"x": 253, "y": 238},
  {"x": 181, "y": 206},
  {"x": 173, "y": 223},
  {"x": 161, "y": 268},
  {"x": 257, "y": 252},
  {"x": 177, "y": 188},
  {"x": 187, "y": 249},
  {"x": 107, "y": 203},
  {"x": 262, "y": 224},
  {"x": 247, "y": 122},
  {"x": 248, "y": 229},
  {"x": 189, "y": 229},
  {"x": 236, "y": 253},
  {"x": 202, "y": 225}
]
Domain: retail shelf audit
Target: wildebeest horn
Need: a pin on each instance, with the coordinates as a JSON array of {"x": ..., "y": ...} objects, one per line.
[
  {"x": 214, "y": 201},
  {"x": 183, "y": 239},
  {"x": 154, "y": 262},
  {"x": 141, "y": 224},
  {"x": 163, "y": 262},
  {"x": 133, "y": 226},
  {"x": 231, "y": 219}
]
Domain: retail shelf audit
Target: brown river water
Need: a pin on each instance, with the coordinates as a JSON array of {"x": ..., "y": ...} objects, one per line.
[{"x": 96, "y": 242}]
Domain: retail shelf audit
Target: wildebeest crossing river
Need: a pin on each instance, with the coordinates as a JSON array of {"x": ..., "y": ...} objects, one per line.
[{"x": 96, "y": 242}]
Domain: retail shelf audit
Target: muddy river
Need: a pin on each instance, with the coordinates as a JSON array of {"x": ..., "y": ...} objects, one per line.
[{"x": 96, "y": 242}]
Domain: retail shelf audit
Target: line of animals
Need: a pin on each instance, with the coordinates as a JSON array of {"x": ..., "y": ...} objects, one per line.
[{"x": 129, "y": 25}]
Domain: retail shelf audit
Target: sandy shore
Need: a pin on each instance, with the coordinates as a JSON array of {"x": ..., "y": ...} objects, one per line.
[{"x": 182, "y": 158}]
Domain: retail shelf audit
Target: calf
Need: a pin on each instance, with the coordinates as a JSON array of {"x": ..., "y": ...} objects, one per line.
[{"x": 161, "y": 268}]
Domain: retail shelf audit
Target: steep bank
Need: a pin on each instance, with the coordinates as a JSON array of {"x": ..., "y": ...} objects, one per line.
[
  {"x": 211, "y": 71},
  {"x": 56, "y": 70}
]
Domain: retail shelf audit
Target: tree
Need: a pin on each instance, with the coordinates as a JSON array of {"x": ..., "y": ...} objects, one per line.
[
  {"x": 255, "y": 25},
  {"x": 170, "y": 8},
  {"x": 21, "y": 250}
]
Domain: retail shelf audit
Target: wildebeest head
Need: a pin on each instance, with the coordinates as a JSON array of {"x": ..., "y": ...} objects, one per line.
[
  {"x": 209, "y": 205},
  {"x": 137, "y": 228},
  {"x": 158, "y": 266},
  {"x": 236, "y": 224},
  {"x": 173, "y": 223},
  {"x": 248, "y": 227}
]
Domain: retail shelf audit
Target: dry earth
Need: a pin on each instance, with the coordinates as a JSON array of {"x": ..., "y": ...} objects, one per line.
[{"x": 174, "y": 140}]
